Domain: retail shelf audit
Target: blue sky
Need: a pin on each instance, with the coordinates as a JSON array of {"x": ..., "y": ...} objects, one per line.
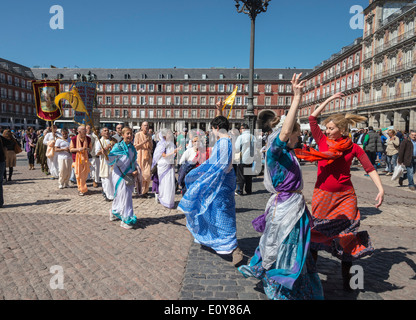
[{"x": 174, "y": 33}]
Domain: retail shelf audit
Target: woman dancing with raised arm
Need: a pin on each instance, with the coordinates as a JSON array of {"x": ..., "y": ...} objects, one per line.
[
  {"x": 282, "y": 260},
  {"x": 334, "y": 202}
]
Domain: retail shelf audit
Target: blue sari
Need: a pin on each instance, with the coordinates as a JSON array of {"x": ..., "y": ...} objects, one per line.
[
  {"x": 123, "y": 159},
  {"x": 209, "y": 202}
]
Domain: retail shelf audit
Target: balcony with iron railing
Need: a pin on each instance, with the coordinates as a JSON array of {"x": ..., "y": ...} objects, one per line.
[{"x": 388, "y": 100}]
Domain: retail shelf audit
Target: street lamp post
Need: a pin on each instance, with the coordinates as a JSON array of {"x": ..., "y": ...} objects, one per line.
[{"x": 252, "y": 8}]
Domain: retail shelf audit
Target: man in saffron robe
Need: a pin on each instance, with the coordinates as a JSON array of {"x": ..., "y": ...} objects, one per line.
[
  {"x": 144, "y": 146},
  {"x": 80, "y": 146}
]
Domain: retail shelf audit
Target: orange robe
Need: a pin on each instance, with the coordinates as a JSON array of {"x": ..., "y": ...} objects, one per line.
[
  {"x": 144, "y": 158},
  {"x": 81, "y": 165}
]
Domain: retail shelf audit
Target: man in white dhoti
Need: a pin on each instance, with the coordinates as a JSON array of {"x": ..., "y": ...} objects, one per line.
[
  {"x": 52, "y": 161},
  {"x": 94, "y": 160},
  {"x": 105, "y": 168}
]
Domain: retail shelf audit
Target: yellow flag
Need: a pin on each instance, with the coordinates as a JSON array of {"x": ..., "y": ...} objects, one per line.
[
  {"x": 73, "y": 98},
  {"x": 230, "y": 101}
]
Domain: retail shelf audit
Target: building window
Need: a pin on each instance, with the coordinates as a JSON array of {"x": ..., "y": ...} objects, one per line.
[
  {"x": 168, "y": 88},
  {"x": 203, "y": 88},
  {"x": 220, "y": 88},
  {"x": 194, "y": 101},
  {"x": 185, "y": 114},
  {"x": 142, "y": 100},
  {"x": 159, "y": 100},
  {"x": 203, "y": 100},
  {"x": 108, "y": 88},
  {"x": 151, "y": 113},
  {"x": 134, "y": 100},
  {"x": 151, "y": 100},
  {"x": 177, "y": 114},
  {"x": 142, "y": 87},
  {"x": 211, "y": 101},
  {"x": 108, "y": 100},
  {"x": 125, "y": 88},
  {"x": 267, "y": 101},
  {"x": 168, "y": 114},
  {"x": 125, "y": 100},
  {"x": 194, "y": 114},
  {"x": 288, "y": 100},
  {"x": 159, "y": 113},
  {"x": 185, "y": 100},
  {"x": 142, "y": 114},
  {"x": 108, "y": 113},
  {"x": 202, "y": 114},
  {"x": 125, "y": 113},
  {"x": 168, "y": 100},
  {"x": 194, "y": 88},
  {"x": 177, "y": 100},
  {"x": 151, "y": 87},
  {"x": 268, "y": 88},
  {"x": 116, "y": 88},
  {"x": 134, "y": 87},
  {"x": 177, "y": 88},
  {"x": 212, "y": 87},
  {"x": 117, "y": 100},
  {"x": 211, "y": 114},
  {"x": 117, "y": 113},
  {"x": 134, "y": 114}
]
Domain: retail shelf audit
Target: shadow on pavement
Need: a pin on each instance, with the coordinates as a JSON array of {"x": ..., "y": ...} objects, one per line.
[
  {"x": 38, "y": 202},
  {"x": 142, "y": 223}
]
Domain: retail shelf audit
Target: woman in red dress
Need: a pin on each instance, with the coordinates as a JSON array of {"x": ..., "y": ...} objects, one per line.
[{"x": 334, "y": 202}]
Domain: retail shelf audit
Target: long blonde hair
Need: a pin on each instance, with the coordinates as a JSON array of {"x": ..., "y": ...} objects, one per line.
[{"x": 342, "y": 121}]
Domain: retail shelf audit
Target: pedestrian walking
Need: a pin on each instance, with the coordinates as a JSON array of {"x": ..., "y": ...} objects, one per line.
[
  {"x": 280, "y": 260},
  {"x": 30, "y": 144},
  {"x": 123, "y": 158},
  {"x": 164, "y": 160},
  {"x": 392, "y": 151},
  {"x": 372, "y": 145},
  {"x": 52, "y": 158},
  {"x": 144, "y": 146},
  {"x": 40, "y": 153},
  {"x": 80, "y": 146},
  {"x": 334, "y": 203},
  {"x": 9, "y": 143},
  {"x": 102, "y": 149},
  {"x": 209, "y": 202},
  {"x": 64, "y": 158},
  {"x": 407, "y": 157},
  {"x": 94, "y": 159}
]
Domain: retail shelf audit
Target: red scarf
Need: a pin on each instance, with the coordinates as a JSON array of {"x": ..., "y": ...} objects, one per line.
[{"x": 335, "y": 150}]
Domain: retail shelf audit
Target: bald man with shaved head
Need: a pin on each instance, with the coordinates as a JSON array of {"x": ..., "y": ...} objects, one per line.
[
  {"x": 144, "y": 146},
  {"x": 80, "y": 146}
]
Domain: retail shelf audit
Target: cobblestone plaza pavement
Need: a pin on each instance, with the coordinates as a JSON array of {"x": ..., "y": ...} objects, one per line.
[{"x": 42, "y": 226}]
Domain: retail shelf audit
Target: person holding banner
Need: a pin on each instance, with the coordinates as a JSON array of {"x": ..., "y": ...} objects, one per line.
[
  {"x": 123, "y": 157},
  {"x": 80, "y": 145},
  {"x": 52, "y": 157}
]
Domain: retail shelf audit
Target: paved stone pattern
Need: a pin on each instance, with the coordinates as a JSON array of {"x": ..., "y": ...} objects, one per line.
[
  {"x": 390, "y": 273},
  {"x": 42, "y": 226}
]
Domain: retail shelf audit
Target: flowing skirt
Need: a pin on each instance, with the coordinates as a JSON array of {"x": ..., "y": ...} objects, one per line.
[
  {"x": 336, "y": 218},
  {"x": 293, "y": 275}
]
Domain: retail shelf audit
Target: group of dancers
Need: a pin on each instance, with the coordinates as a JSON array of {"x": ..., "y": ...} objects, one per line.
[{"x": 285, "y": 259}]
